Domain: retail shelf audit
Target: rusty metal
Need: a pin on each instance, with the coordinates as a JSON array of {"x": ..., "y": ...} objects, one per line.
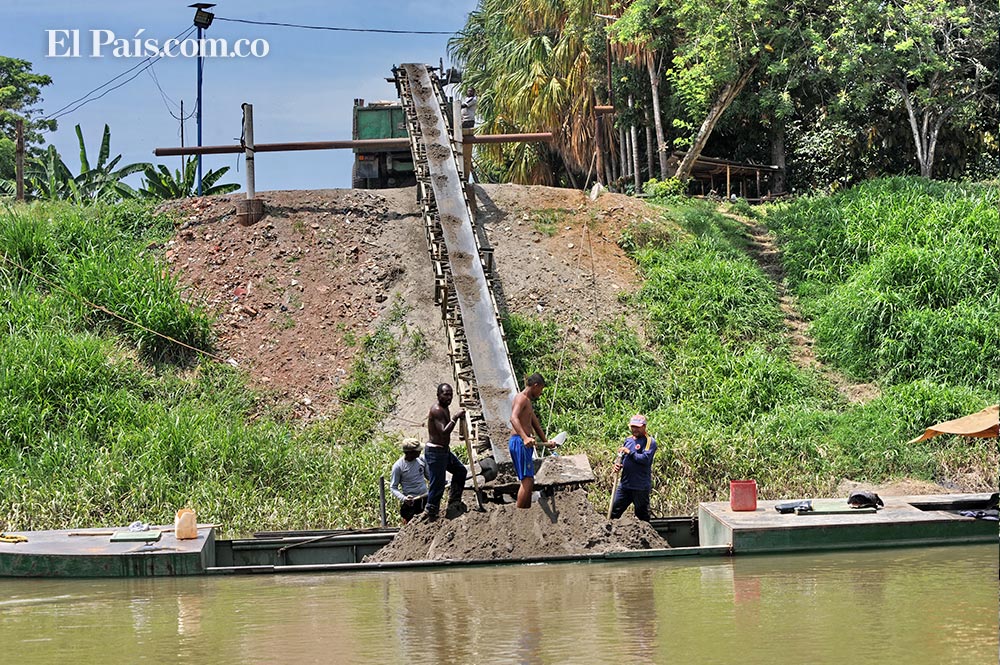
[{"x": 360, "y": 144}]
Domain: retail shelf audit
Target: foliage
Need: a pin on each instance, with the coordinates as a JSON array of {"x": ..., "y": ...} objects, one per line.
[
  {"x": 529, "y": 63},
  {"x": 20, "y": 93},
  {"x": 665, "y": 189},
  {"x": 901, "y": 277},
  {"x": 94, "y": 434},
  {"x": 52, "y": 179},
  {"x": 90, "y": 255},
  {"x": 160, "y": 183},
  {"x": 937, "y": 58}
]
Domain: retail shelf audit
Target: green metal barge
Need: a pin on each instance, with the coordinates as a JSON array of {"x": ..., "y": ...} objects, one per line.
[{"x": 717, "y": 530}]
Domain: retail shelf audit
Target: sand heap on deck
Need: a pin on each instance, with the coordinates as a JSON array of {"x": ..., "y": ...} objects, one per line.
[{"x": 563, "y": 524}]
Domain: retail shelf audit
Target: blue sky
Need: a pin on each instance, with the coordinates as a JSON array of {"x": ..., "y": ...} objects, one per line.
[{"x": 302, "y": 90}]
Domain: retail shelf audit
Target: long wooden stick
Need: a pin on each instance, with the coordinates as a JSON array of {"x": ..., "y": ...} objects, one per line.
[
  {"x": 111, "y": 533},
  {"x": 614, "y": 488},
  {"x": 464, "y": 428}
]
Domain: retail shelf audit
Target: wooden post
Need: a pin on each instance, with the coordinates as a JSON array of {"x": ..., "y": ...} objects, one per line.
[
  {"x": 599, "y": 148},
  {"x": 248, "y": 133},
  {"x": 250, "y": 209},
  {"x": 457, "y": 135},
  {"x": 727, "y": 182},
  {"x": 19, "y": 159}
]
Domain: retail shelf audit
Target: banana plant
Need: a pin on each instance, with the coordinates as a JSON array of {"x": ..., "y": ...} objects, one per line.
[
  {"x": 103, "y": 181},
  {"x": 160, "y": 183},
  {"x": 49, "y": 176},
  {"x": 52, "y": 179}
]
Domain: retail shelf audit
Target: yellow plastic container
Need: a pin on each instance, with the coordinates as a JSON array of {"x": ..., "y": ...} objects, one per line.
[{"x": 185, "y": 524}]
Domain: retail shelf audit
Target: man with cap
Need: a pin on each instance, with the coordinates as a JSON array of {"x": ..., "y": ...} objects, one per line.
[
  {"x": 635, "y": 462},
  {"x": 408, "y": 482}
]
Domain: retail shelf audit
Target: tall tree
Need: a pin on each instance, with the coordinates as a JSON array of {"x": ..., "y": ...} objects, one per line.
[
  {"x": 530, "y": 65},
  {"x": 20, "y": 92},
  {"x": 937, "y": 58},
  {"x": 642, "y": 35},
  {"x": 722, "y": 44}
]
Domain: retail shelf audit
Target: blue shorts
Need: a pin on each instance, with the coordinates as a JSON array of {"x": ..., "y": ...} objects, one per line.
[{"x": 523, "y": 457}]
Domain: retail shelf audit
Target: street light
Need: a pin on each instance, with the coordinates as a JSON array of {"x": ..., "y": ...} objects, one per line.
[{"x": 202, "y": 19}]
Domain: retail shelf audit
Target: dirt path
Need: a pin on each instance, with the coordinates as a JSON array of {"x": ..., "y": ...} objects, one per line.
[{"x": 763, "y": 249}]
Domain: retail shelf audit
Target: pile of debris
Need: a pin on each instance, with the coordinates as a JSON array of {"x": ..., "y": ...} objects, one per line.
[{"x": 563, "y": 524}]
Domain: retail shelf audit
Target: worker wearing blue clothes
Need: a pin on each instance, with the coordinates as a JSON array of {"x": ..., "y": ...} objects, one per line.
[
  {"x": 521, "y": 445},
  {"x": 635, "y": 462}
]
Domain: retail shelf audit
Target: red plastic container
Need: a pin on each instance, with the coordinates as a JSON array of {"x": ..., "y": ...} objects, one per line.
[{"x": 743, "y": 494}]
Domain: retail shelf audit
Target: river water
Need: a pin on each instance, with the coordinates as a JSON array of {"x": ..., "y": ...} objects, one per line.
[{"x": 909, "y": 606}]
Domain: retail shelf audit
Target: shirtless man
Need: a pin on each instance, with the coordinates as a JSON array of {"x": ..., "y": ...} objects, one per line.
[
  {"x": 522, "y": 444},
  {"x": 439, "y": 457}
]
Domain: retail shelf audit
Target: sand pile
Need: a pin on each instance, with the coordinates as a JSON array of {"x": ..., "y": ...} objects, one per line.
[{"x": 562, "y": 524}]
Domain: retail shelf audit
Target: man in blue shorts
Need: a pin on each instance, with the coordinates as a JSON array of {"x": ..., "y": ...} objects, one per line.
[{"x": 522, "y": 444}]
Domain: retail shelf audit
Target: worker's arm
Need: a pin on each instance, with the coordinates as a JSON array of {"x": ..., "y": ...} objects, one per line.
[
  {"x": 396, "y": 483},
  {"x": 537, "y": 425},
  {"x": 441, "y": 424},
  {"x": 645, "y": 457}
]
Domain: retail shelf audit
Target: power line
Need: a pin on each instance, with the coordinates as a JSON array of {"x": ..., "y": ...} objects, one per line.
[
  {"x": 325, "y": 27},
  {"x": 149, "y": 61},
  {"x": 167, "y": 100},
  {"x": 207, "y": 354}
]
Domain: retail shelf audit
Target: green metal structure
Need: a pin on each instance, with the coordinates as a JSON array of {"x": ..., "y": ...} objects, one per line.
[{"x": 380, "y": 168}]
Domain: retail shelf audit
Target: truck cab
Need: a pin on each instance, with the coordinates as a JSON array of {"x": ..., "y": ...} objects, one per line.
[{"x": 380, "y": 168}]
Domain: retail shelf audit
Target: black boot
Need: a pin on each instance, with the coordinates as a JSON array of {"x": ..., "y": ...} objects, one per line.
[
  {"x": 431, "y": 511},
  {"x": 455, "y": 505}
]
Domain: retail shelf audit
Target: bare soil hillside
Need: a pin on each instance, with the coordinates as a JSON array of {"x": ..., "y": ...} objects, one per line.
[{"x": 297, "y": 290}]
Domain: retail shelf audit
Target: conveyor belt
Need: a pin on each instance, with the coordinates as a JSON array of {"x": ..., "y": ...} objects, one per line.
[{"x": 485, "y": 380}]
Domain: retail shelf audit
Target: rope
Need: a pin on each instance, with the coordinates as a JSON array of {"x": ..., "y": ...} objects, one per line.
[
  {"x": 576, "y": 318},
  {"x": 207, "y": 354}
]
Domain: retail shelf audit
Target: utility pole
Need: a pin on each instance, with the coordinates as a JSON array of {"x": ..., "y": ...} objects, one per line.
[
  {"x": 202, "y": 19},
  {"x": 183, "y": 159},
  {"x": 19, "y": 158}
]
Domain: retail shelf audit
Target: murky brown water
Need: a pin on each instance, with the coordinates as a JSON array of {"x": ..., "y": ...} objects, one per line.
[{"x": 914, "y": 606}]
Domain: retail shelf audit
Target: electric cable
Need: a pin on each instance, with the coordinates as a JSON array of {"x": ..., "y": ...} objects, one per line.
[
  {"x": 335, "y": 29},
  {"x": 59, "y": 112}
]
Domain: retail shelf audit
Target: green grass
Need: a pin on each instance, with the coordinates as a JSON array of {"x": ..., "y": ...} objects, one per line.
[
  {"x": 101, "y": 424},
  {"x": 900, "y": 277},
  {"x": 717, "y": 384}
]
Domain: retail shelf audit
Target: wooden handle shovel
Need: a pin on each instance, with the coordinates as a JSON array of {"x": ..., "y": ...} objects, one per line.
[
  {"x": 614, "y": 488},
  {"x": 464, "y": 428}
]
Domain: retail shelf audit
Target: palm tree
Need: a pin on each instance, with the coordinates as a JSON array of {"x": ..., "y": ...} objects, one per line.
[{"x": 530, "y": 63}]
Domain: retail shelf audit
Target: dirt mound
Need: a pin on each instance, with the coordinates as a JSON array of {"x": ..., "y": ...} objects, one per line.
[{"x": 562, "y": 524}]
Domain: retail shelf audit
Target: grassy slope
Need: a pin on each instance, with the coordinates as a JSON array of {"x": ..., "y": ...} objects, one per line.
[
  {"x": 717, "y": 384},
  {"x": 102, "y": 423}
]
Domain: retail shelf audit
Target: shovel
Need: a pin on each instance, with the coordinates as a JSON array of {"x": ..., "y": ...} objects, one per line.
[
  {"x": 614, "y": 488},
  {"x": 464, "y": 427}
]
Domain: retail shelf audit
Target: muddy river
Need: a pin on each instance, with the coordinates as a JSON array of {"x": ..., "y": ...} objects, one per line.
[{"x": 913, "y": 606}]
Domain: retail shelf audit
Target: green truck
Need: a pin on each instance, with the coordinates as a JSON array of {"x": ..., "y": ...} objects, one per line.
[{"x": 381, "y": 168}]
